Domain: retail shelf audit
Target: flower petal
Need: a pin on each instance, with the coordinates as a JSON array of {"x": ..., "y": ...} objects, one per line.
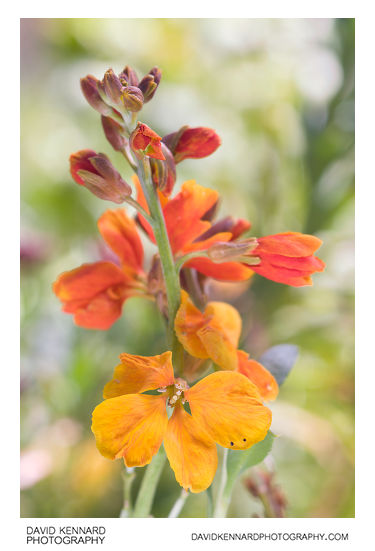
[
  {"x": 121, "y": 234},
  {"x": 94, "y": 293},
  {"x": 288, "y": 244},
  {"x": 137, "y": 374},
  {"x": 259, "y": 375},
  {"x": 191, "y": 451},
  {"x": 131, "y": 426},
  {"x": 229, "y": 407},
  {"x": 225, "y": 271},
  {"x": 183, "y": 213},
  {"x": 187, "y": 322}
]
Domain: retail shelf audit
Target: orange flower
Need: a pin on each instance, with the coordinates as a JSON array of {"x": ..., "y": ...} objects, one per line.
[
  {"x": 288, "y": 258},
  {"x": 225, "y": 407},
  {"x": 146, "y": 140},
  {"x": 189, "y": 229},
  {"x": 95, "y": 292},
  {"x": 215, "y": 334}
]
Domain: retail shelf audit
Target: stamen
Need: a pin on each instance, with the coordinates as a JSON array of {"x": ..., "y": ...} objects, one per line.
[{"x": 163, "y": 389}]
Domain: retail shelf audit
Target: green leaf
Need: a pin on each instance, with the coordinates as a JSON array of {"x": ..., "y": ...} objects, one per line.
[
  {"x": 279, "y": 360},
  {"x": 240, "y": 460}
]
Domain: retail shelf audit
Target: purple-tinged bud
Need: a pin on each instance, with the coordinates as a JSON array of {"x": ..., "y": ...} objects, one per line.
[
  {"x": 234, "y": 251},
  {"x": 114, "y": 133},
  {"x": 149, "y": 83},
  {"x": 132, "y": 98},
  {"x": 129, "y": 75},
  {"x": 113, "y": 87},
  {"x": 96, "y": 172},
  {"x": 89, "y": 86}
]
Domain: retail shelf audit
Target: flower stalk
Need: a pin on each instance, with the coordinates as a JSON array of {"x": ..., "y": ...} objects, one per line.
[
  {"x": 179, "y": 504},
  {"x": 149, "y": 483}
]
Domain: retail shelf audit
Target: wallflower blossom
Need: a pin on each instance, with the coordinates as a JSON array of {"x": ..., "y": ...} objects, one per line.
[
  {"x": 192, "y": 143},
  {"x": 94, "y": 293},
  {"x": 189, "y": 230},
  {"x": 215, "y": 334},
  {"x": 226, "y": 408}
]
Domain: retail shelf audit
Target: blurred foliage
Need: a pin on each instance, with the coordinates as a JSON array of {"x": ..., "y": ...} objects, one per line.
[{"x": 280, "y": 93}]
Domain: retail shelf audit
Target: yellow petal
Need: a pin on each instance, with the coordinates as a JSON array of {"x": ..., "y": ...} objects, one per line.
[
  {"x": 259, "y": 375},
  {"x": 228, "y": 406},
  {"x": 187, "y": 322},
  {"x": 139, "y": 373},
  {"x": 131, "y": 426},
  {"x": 218, "y": 348},
  {"x": 191, "y": 451},
  {"x": 223, "y": 317}
]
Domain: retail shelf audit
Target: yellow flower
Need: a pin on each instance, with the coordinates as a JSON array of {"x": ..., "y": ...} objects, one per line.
[{"x": 226, "y": 409}]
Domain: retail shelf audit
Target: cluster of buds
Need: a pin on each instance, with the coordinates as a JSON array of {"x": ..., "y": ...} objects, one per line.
[
  {"x": 263, "y": 487},
  {"x": 123, "y": 92}
]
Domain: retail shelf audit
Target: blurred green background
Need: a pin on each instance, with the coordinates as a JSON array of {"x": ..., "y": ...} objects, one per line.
[{"x": 280, "y": 93}]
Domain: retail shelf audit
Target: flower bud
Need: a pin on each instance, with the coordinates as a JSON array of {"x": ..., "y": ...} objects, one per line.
[
  {"x": 112, "y": 87},
  {"x": 96, "y": 172},
  {"x": 164, "y": 172},
  {"x": 146, "y": 140},
  {"x": 132, "y": 98},
  {"x": 192, "y": 143},
  {"x": 233, "y": 251},
  {"x": 129, "y": 76},
  {"x": 89, "y": 86},
  {"x": 114, "y": 133},
  {"x": 149, "y": 83}
]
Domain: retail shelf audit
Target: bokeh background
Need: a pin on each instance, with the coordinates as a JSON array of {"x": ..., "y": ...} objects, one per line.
[{"x": 280, "y": 93}]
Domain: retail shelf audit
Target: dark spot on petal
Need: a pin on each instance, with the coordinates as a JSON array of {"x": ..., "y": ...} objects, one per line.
[
  {"x": 232, "y": 444},
  {"x": 244, "y": 439}
]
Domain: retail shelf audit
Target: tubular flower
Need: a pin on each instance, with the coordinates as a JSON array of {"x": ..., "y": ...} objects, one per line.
[
  {"x": 146, "y": 140},
  {"x": 95, "y": 292},
  {"x": 189, "y": 229},
  {"x": 215, "y": 334},
  {"x": 288, "y": 258},
  {"x": 226, "y": 408}
]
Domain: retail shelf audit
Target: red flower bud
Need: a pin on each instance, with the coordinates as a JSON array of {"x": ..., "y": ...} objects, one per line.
[
  {"x": 192, "y": 143},
  {"x": 96, "y": 172},
  {"x": 146, "y": 140}
]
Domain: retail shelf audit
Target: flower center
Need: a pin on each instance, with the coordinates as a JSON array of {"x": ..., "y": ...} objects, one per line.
[{"x": 175, "y": 392}]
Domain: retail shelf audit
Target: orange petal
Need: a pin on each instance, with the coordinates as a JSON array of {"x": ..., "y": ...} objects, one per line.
[
  {"x": 94, "y": 293},
  {"x": 121, "y": 234},
  {"x": 259, "y": 375},
  {"x": 131, "y": 426},
  {"x": 229, "y": 408},
  {"x": 187, "y": 322},
  {"x": 140, "y": 373},
  {"x": 183, "y": 213},
  {"x": 225, "y": 271},
  {"x": 288, "y": 244},
  {"x": 221, "y": 334},
  {"x": 191, "y": 451}
]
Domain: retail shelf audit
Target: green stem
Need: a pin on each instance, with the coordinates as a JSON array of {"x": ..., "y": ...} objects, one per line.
[
  {"x": 147, "y": 490},
  {"x": 132, "y": 202},
  {"x": 171, "y": 279},
  {"x": 222, "y": 501},
  {"x": 128, "y": 477},
  {"x": 177, "y": 507}
]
